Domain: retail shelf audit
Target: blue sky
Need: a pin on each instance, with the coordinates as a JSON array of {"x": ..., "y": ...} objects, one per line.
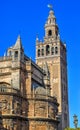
[{"x": 28, "y": 17}]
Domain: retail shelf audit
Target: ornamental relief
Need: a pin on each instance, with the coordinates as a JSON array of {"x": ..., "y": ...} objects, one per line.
[{"x": 4, "y": 105}]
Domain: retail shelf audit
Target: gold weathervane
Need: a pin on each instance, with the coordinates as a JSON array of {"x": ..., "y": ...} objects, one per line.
[{"x": 50, "y": 6}]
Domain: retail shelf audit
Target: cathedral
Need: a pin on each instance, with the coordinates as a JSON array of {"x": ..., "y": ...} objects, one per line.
[{"x": 34, "y": 96}]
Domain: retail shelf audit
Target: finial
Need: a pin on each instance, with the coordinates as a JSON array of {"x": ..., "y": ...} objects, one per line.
[{"x": 50, "y": 6}]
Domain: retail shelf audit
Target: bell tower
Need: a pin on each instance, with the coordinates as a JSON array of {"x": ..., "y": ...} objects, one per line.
[
  {"x": 51, "y": 28},
  {"x": 53, "y": 52}
]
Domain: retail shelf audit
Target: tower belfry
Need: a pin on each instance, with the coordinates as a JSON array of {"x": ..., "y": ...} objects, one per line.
[
  {"x": 53, "y": 52},
  {"x": 51, "y": 28}
]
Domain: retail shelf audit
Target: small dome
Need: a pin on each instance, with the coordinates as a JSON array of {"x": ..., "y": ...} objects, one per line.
[{"x": 51, "y": 12}]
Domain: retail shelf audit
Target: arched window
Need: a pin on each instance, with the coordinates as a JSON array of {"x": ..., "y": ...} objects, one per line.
[
  {"x": 52, "y": 50},
  {"x": 3, "y": 88},
  {"x": 42, "y": 52},
  {"x": 38, "y": 52},
  {"x": 47, "y": 50},
  {"x": 49, "y": 32},
  {"x": 16, "y": 54},
  {"x": 56, "y": 50}
]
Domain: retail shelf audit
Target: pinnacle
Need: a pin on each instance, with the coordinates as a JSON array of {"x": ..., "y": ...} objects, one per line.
[{"x": 18, "y": 44}]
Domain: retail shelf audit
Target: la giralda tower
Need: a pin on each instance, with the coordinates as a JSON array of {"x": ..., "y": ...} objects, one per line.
[{"x": 52, "y": 51}]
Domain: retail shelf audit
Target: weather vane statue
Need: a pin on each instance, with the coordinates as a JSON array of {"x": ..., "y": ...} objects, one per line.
[{"x": 50, "y": 6}]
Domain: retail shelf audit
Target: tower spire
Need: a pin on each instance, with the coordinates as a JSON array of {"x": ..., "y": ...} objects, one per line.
[
  {"x": 51, "y": 28},
  {"x": 50, "y": 56},
  {"x": 18, "y": 43}
]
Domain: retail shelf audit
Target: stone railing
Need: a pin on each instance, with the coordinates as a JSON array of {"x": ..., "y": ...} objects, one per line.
[
  {"x": 9, "y": 90},
  {"x": 5, "y": 58}
]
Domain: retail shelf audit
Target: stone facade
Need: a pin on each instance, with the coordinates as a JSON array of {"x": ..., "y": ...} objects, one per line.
[
  {"x": 53, "y": 52},
  {"x": 25, "y": 93}
]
